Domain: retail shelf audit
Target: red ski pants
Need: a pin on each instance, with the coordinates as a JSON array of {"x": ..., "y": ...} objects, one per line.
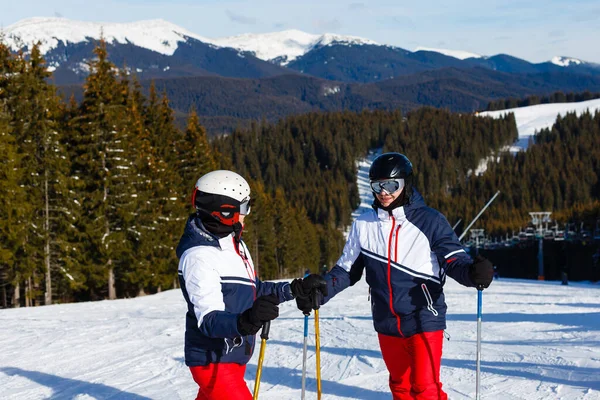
[
  {"x": 221, "y": 382},
  {"x": 414, "y": 365}
]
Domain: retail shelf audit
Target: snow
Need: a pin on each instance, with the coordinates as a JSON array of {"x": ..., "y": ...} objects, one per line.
[
  {"x": 460, "y": 54},
  {"x": 285, "y": 46},
  {"x": 363, "y": 183},
  {"x": 540, "y": 340},
  {"x": 330, "y": 90},
  {"x": 157, "y": 35},
  {"x": 565, "y": 61},
  {"x": 532, "y": 119}
]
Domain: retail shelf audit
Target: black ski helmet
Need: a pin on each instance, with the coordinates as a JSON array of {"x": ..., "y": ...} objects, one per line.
[
  {"x": 390, "y": 166},
  {"x": 393, "y": 166}
]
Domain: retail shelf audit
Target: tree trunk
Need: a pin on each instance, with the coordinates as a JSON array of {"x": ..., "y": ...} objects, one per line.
[
  {"x": 112, "y": 292},
  {"x": 141, "y": 292},
  {"x": 28, "y": 292},
  {"x": 4, "y": 302},
  {"x": 48, "y": 293},
  {"x": 17, "y": 296}
]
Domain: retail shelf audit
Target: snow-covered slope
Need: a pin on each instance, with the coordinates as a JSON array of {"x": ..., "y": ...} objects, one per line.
[
  {"x": 287, "y": 45},
  {"x": 565, "y": 61},
  {"x": 540, "y": 342},
  {"x": 534, "y": 118},
  {"x": 157, "y": 35},
  {"x": 460, "y": 54}
]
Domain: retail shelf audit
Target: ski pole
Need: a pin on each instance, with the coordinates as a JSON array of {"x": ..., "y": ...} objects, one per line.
[
  {"x": 264, "y": 335},
  {"x": 304, "y": 352},
  {"x": 316, "y": 305},
  {"x": 304, "y": 356},
  {"x": 479, "y": 307}
]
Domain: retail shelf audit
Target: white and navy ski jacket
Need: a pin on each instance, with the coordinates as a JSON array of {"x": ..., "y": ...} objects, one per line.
[
  {"x": 407, "y": 254},
  {"x": 218, "y": 282}
]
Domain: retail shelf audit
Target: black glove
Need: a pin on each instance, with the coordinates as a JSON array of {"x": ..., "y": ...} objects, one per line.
[
  {"x": 309, "y": 292},
  {"x": 264, "y": 309},
  {"x": 305, "y": 287},
  {"x": 481, "y": 272}
]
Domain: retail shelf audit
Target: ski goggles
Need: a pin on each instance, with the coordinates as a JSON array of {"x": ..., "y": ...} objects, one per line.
[
  {"x": 246, "y": 206},
  {"x": 389, "y": 185}
]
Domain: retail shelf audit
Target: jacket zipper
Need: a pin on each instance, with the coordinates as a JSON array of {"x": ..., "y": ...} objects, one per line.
[
  {"x": 247, "y": 266},
  {"x": 389, "y": 275},
  {"x": 396, "y": 244}
]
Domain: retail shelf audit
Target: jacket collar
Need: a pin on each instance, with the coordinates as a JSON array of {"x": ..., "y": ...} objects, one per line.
[{"x": 195, "y": 234}]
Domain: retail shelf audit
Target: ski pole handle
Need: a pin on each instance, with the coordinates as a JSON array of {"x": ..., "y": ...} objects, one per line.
[
  {"x": 264, "y": 334},
  {"x": 316, "y": 299}
]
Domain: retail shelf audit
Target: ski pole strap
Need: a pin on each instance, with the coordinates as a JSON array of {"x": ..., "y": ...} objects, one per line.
[{"x": 264, "y": 334}]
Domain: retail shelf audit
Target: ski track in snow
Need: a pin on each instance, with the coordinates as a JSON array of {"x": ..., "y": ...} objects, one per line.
[{"x": 541, "y": 340}]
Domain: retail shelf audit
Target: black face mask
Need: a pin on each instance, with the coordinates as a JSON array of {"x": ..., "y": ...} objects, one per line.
[
  {"x": 214, "y": 226},
  {"x": 400, "y": 201}
]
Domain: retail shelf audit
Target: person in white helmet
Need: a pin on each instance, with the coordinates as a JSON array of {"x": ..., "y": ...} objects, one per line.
[{"x": 227, "y": 303}]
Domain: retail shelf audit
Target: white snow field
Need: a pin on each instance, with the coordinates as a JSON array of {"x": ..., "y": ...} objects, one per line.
[
  {"x": 532, "y": 119},
  {"x": 541, "y": 340}
]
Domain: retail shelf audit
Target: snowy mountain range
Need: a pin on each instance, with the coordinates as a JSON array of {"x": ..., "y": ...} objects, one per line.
[
  {"x": 285, "y": 46},
  {"x": 158, "y": 49}
]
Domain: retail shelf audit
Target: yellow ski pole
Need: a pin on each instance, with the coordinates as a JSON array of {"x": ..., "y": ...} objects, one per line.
[
  {"x": 316, "y": 306},
  {"x": 264, "y": 335}
]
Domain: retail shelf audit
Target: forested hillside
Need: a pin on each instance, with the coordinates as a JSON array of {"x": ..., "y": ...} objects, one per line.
[
  {"x": 95, "y": 193},
  {"x": 559, "y": 173},
  {"x": 557, "y": 97},
  {"x": 312, "y": 157},
  {"x": 224, "y": 104}
]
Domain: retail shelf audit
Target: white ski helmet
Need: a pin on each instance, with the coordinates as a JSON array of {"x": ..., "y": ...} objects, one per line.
[{"x": 223, "y": 194}]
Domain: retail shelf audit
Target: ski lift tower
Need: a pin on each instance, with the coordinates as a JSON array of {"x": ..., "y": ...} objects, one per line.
[
  {"x": 475, "y": 235},
  {"x": 540, "y": 220}
]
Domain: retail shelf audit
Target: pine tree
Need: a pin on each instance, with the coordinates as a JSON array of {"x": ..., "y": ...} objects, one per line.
[
  {"x": 195, "y": 156},
  {"x": 35, "y": 120},
  {"x": 103, "y": 164},
  {"x": 166, "y": 212},
  {"x": 12, "y": 198}
]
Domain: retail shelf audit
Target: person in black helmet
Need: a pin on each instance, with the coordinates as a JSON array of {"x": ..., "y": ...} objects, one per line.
[
  {"x": 227, "y": 303},
  {"x": 407, "y": 249}
]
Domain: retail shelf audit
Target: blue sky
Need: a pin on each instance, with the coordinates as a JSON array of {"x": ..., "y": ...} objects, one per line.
[{"x": 535, "y": 30}]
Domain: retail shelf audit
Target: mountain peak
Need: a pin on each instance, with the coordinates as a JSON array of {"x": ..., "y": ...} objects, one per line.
[
  {"x": 565, "y": 61},
  {"x": 157, "y": 34},
  {"x": 460, "y": 54},
  {"x": 287, "y": 45}
]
